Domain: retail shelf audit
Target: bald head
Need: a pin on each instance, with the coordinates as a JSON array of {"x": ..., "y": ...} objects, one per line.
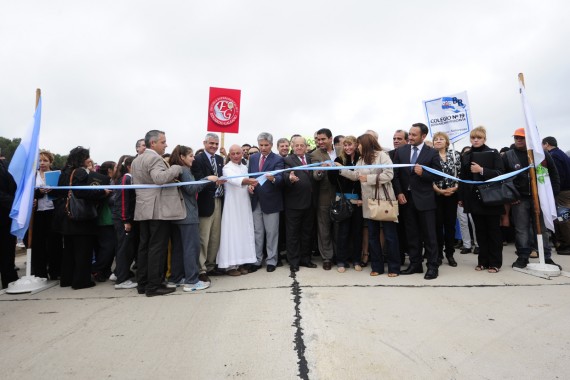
[{"x": 236, "y": 154}]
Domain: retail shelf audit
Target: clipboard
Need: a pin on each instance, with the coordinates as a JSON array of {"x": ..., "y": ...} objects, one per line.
[{"x": 52, "y": 178}]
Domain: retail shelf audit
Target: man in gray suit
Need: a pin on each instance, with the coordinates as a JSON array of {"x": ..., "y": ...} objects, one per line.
[{"x": 155, "y": 208}]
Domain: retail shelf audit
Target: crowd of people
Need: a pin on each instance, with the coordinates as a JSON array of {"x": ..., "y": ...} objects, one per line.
[{"x": 220, "y": 216}]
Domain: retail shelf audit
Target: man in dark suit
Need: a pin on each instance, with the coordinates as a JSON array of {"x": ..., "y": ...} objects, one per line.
[
  {"x": 414, "y": 187},
  {"x": 266, "y": 201},
  {"x": 299, "y": 206},
  {"x": 210, "y": 202}
]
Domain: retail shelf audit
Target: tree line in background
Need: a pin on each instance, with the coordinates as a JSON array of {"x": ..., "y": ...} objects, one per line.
[{"x": 8, "y": 147}]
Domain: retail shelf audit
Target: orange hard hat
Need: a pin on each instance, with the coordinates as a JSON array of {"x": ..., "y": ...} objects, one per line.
[{"x": 519, "y": 132}]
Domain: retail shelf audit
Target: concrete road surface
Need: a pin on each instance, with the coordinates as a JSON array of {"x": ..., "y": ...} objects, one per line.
[{"x": 317, "y": 325}]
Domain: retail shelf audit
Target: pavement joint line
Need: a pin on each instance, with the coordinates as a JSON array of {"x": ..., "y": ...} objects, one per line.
[
  {"x": 180, "y": 294},
  {"x": 299, "y": 341}
]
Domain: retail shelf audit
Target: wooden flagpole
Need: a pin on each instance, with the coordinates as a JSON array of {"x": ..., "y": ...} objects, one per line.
[
  {"x": 31, "y": 225},
  {"x": 533, "y": 186}
]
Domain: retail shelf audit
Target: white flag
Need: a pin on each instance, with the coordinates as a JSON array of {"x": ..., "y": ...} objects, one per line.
[{"x": 534, "y": 142}]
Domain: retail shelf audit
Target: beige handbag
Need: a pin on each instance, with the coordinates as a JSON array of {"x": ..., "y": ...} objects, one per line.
[{"x": 382, "y": 210}]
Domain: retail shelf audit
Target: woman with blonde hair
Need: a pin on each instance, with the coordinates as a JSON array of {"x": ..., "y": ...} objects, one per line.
[
  {"x": 480, "y": 164},
  {"x": 348, "y": 233}
]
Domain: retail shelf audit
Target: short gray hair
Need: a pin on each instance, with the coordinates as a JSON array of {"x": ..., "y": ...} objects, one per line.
[
  {"x": 283, "y": 140},
  {"x": 211, "y": 136},
  {"x": 152, "y": 136},
  {"x": 265, "y": 136}
]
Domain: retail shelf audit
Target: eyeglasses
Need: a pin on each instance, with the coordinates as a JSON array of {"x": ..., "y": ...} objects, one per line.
[{"x": 519, "y": 137}]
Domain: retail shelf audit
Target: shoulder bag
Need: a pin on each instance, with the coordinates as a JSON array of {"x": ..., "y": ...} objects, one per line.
[
  {"x": 79, "y": 209},
  {"x": 341, "y": 209},
  {"x": 498, "y": 193},
  {"x": 382, "y": 210}
]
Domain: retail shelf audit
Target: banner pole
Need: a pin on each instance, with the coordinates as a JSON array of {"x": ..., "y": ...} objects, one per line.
[
  {"x": 541, "y": 269},
  {"x": 532, "y": 175},
  {"x": 31, "y": 225}
]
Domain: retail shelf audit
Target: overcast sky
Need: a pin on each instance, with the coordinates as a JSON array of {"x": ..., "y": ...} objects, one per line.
[{"x": 110, "y": 71}]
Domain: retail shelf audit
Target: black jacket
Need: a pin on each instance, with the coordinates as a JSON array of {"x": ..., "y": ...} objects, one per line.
[
  {"x": 468, "y": 193},
  {"x": 7, "y": 192}
]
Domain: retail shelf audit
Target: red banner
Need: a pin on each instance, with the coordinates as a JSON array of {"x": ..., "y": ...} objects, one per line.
[{"x": 224, "y": 110}]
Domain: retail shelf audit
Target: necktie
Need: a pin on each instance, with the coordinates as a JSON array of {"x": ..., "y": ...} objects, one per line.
[
  {"x": 261, "y": 163},
  {"x": 214, "y": 166},
  {"x": 220, "y": 189},
  {"x": 303, "y": 160},
  {"x": 414, "y": 157}
]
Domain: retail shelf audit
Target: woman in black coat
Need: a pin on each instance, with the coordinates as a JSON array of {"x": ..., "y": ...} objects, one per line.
[
  {"x": 78, "y": 236},
  {"x": 480, "y": 164}
]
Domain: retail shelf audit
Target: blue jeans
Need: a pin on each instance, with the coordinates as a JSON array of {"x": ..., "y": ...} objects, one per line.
[
  {"x": 525, "y": 230},
  {"x": 392, "y": 246},
  {"x": 185, "y": 259}
]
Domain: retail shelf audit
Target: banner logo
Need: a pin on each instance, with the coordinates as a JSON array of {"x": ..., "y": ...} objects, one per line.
[
  {"x": 224, "y": 110},
  {"x": 452, "y": 104}
]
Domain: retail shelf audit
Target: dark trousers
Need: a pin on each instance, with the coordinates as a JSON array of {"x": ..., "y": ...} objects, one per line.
[
  {"x": 391, "y": 245},
  {"x": 401, "y": 227},
  {"x": 76, "y": 261},
  {"x": 185, "y": 258},
  {"x": 105, "y": 248},
  {"x": 153, "y": 247},
  {"x": 47, "y": 246},
  {"x": 125, "y": 250},
  {"x": 282, "y": 244},
  {"x": 299, "y": 228},
  {"x": 446, "y": 217},
  {"x": 488, "y": 230},
  {"x": 7, "y": 256},
  {"x": 420, "y": 228},
  {"x": 349, "y": 238}
]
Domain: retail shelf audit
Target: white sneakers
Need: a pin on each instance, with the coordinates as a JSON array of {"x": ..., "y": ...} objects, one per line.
[
  {"x": 200, "y": 285},
  {"x": 126, "y": 285}
]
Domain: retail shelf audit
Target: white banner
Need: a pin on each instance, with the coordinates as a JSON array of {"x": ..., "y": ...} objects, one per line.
[{"x": 449, "y": 114}]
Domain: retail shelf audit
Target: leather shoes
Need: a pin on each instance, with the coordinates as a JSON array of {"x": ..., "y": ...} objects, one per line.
[
  {"x": 159, "y": 292},
  {"x": 431, "y": 274},
  {"x": 271, "y": 268},
  {"x": 204, "y": 277},
  {"x": 308, "y": 264},
  {"x": 451, "y": 261},
  {"x": 294, "y": 268},
  {"x": 216, "y": 272},
  {"x": 254, "y": 268},
  {"x": 327, "y": 265},
  {"x": 413, "y": 269}
]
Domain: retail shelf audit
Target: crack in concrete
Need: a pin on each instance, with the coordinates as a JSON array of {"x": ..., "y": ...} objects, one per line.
[{"x": 299, "y": 341}]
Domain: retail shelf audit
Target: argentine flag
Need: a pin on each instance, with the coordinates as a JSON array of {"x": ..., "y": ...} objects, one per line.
[{"x": 23, "y": 168}]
